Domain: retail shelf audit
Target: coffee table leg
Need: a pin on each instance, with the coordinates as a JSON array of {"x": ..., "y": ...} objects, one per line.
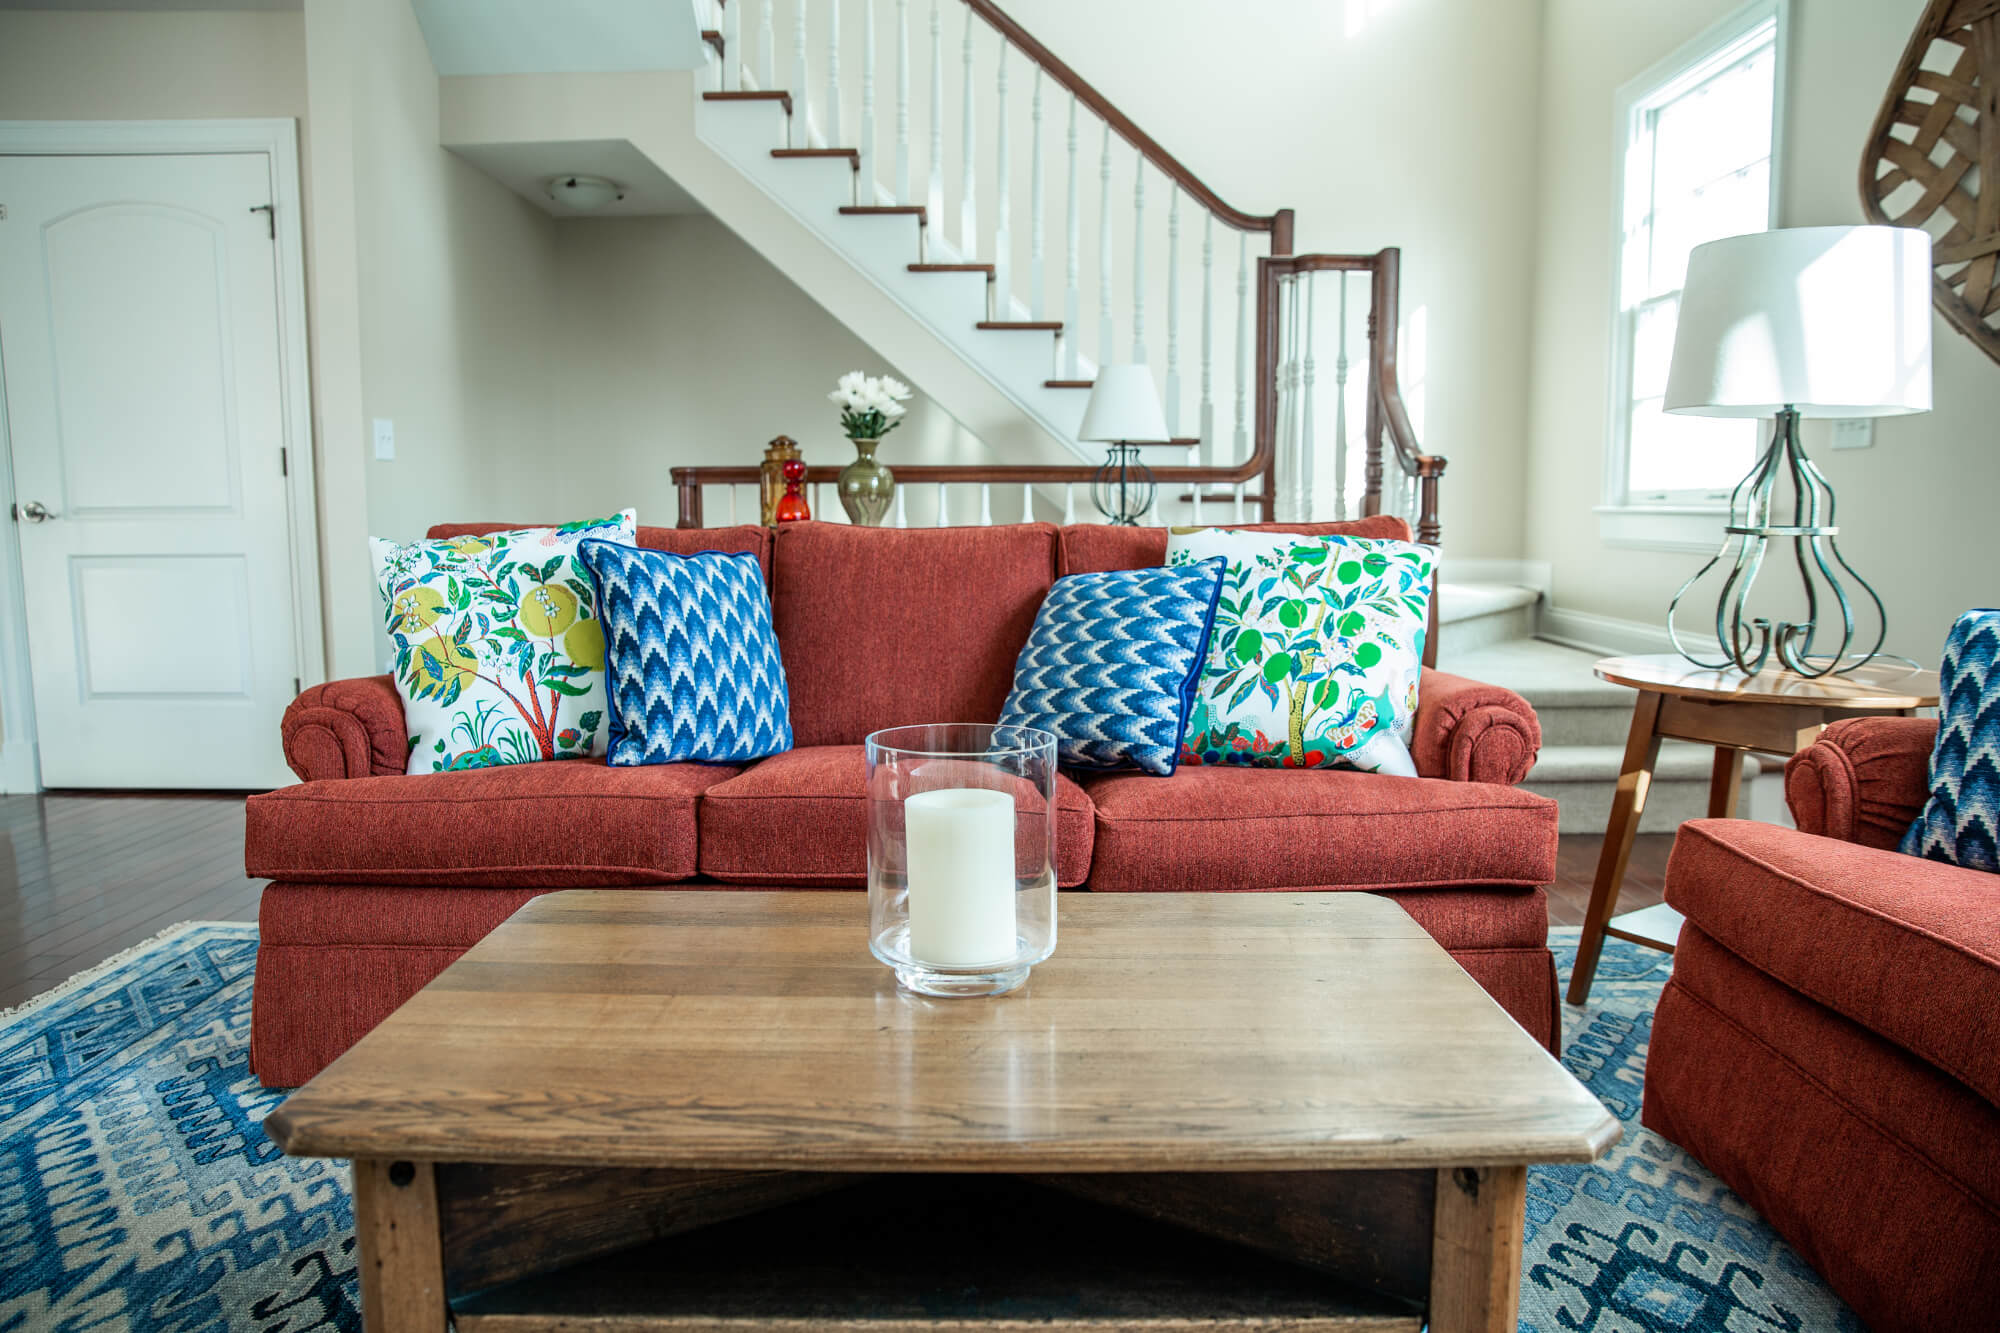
[
  {"x": 402, "y": 1257},
  {"x": 1476, "y": 1249},
  {"x": 1635, "y": 778},
  {"x": 1725, "y": 783}
]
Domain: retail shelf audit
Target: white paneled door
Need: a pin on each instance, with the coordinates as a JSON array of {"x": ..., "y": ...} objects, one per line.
[{"x": 139, "y": 343}]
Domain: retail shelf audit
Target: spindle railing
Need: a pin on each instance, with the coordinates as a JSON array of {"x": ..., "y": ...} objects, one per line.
[{"x": 1258, "y": 412}]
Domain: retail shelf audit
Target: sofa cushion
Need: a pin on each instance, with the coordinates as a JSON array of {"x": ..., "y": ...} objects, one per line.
[
  {"x": 1087, "y": 548},
  {"x": 564, "y": 824},
  {"x": 1909, "y": 949},
  {"x": 681, "y": 541},
  {"x": 1265, "y": 828},
  {"x": 801, "y": 820},
  {"x": 885, "y": 627}
]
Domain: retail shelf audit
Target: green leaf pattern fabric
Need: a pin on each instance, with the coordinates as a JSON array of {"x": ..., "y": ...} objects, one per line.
[
  {"x": 499, "y": 647},
  {"x": 1316, "y": 653}
]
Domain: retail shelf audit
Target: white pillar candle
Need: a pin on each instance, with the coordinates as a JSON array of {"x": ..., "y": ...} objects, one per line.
[{"x": 961, "y": 863}]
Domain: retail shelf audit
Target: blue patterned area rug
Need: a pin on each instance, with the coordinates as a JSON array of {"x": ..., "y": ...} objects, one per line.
[{"x": 138, "y": 1193}]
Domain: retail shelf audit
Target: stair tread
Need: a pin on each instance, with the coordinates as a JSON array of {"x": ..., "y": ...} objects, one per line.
[
  {"x": 1547, "y": 675},
  {"x": 987, "y": 269},
  {"x": 1026, "y": 325},
  {"x": 885, "y": 210},
  {"x": 1466, "y": 601},
  {"x": 1680, "y": 761},
  {"x": 1068, "y": 384},
  {"x": 853, "y": 155}
]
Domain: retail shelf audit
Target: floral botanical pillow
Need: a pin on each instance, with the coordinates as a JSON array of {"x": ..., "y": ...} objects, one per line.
[
  {"x": 1316, "y": 653},
  {"x": 499, "y": 648}
]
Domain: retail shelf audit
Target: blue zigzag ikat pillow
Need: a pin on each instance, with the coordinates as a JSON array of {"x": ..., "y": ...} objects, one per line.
[
  {"x": 690, "y": 656},
  {"x": 1112, "y": 664},
  {"x": 1961, "y": 821}
]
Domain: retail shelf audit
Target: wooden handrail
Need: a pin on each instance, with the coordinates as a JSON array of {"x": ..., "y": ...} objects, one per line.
[{"x": 1278, "y": 224}]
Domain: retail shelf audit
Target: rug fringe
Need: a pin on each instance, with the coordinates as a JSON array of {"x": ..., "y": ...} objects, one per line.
[{"x": 90, "y": 974}]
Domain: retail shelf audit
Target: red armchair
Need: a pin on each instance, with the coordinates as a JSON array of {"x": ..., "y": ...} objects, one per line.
[{"x": 1826, "y": 1043}]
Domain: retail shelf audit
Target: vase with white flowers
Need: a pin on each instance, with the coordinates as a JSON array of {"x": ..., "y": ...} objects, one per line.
[{"x": 870, "y": 407}]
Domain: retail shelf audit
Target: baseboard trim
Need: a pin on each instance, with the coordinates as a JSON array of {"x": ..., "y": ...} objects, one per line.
[
  {"x": 1536, "y": 574},
  {"x": 1601, "y": 634},
  {"x": 20, "y": 769}
]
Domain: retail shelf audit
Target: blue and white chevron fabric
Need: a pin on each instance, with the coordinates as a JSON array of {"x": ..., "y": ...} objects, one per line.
[
  {"x": 1112, "y": 664},
  {"x": 1961, "y": 820},
  {"x": 690, "y": 655}
]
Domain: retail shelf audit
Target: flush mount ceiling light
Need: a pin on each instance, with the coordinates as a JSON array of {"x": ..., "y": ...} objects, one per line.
[{"x": 583, "y": 194}]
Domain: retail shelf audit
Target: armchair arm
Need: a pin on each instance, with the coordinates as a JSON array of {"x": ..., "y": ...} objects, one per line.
[
  {"x": 1864, "y": 780},
  {"x": 1469, "y": 731},
  {"x": 346, "y": 729}
]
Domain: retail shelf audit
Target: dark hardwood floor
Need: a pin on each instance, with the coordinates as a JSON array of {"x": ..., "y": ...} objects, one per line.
[{"x": 83, "y": 876}]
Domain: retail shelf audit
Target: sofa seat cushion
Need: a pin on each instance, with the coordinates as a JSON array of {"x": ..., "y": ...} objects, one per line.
[
  {"x": 563, "y": 824},
  {"x": 1266, "y": 828},
  {"x": 801, "y": 820},
  {"x": 1908, "y": 949}
]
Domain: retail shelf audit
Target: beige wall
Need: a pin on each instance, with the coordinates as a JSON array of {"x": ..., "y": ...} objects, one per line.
[{"x": 1914, "y": 508}]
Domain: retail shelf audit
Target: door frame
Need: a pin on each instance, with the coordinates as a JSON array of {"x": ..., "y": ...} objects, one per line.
[{"x": 278, "y": 140}]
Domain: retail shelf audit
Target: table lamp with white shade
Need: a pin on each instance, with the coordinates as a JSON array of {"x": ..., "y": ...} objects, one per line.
[
  {"x": 1800, "y": 322},
  {"x": 1124, "y": 412}
]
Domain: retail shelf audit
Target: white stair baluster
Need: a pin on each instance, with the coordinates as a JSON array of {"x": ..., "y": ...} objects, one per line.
[
  {"x": 732, "y": 506},
  {"x": 1069, "y": 503},
  {"x": 1239, "y": 502},
  {"x": 1340, "y": 411},
  {"x": 943, "y": 508},
  {"x": 934, "y": 196},
  {"x": 1003, "y": 246},
  {"x": 1027, "y": 503},
  {"x": 1105, "y": 338},
  {"x": 1305, "y": 461},
  {"x": 767, "y": 40},
  {"x": 968, "y": 208},
  {"x": 732, "y": 47},
  {"x": 1035, "y": 228},
  {"x": 902, "y": 181},
  {"x": 805, "y": 133},
  {"x": 1173, "y": 385},
  {"x": 901, "y": 518},
  {"x": 1281, "y": 447},
  {"x": 985, "y": 504},
  {"x": 864, "y": 179},
  {"x": 1211, "y": 451},
  {"x": 1138, "y": 258},
  {"x": 1072, "y": 301},
  {"x": 833, "y": 75},
  {"x": 819, "y": 502},
  {"x": 1242, "y": 353},
  {"x": 1196, "y": 493}
]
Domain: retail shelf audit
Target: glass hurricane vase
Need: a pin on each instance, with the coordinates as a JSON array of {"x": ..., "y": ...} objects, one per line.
[{"x": 961, "y": 855}]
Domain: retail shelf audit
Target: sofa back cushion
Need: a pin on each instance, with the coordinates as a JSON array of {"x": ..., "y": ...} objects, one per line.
[
  {"x": 681, "y": 541},
  {"x": 886, "y": 627},
  {"x": 1088, "y": 548}
]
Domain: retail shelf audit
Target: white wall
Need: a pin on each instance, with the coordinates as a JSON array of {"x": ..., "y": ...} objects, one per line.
[{"x": 1915, "y": 509}]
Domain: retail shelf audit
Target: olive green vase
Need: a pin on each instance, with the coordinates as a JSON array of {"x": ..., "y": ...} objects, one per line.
[{"x": 866, "y": 486}]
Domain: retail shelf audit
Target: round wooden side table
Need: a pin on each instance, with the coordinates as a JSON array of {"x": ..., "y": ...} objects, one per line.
[{"x": 1772, "y": 712}]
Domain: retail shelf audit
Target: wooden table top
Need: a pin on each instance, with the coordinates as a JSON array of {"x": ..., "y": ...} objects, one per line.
[
  {"x": 753, "y": 1030},
  {"x": 1876, "y": 685}
]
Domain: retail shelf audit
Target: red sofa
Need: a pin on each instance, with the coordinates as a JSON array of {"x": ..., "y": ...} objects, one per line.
[
  {"x": 1826, "y": 1044},
  {"x": 381, "y": 879}
]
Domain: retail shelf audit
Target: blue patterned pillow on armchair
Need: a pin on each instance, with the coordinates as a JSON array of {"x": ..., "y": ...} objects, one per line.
[
  {"x": 1961, "y": 820},
  {"x": 1112, "y": 664},
  {"x": 691, "y": 656}
]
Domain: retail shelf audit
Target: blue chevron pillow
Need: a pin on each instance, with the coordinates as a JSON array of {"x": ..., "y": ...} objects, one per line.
[
  {"x": 1961, "y": 821},
  {"x": 1112, "y": 664},
  {"x": 690, "y": 655}
]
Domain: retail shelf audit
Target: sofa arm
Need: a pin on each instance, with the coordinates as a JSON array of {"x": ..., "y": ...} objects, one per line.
[
  {"x": 1864, "y": 780},
  {"x": 346, "y": 729},
  {"x": 1469, "y": 731}
]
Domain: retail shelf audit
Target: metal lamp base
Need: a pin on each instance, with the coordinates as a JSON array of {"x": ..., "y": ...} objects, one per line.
[{"x": 1749, "y": 643}]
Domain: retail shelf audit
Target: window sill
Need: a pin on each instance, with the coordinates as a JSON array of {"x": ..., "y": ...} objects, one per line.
[{"x": 1663, "y": 527}]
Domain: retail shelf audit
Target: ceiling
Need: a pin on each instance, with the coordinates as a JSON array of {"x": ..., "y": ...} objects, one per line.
[
  {"x": 573, "y": 37},
  {"x": 525, "y": 168},
  {"x": 162, "y": 5}
]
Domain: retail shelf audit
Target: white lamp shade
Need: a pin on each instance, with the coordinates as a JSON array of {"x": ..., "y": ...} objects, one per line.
[
  {"x": 1833, "y": 321},
  {"x": 1124, "y": 406}
]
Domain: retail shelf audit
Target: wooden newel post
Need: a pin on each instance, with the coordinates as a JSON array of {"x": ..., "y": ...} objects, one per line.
[{"x": 690, "y": 498}]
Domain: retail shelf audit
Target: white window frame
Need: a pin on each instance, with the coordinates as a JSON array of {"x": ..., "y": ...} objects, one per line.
[{"x": 1678, "y": 520}]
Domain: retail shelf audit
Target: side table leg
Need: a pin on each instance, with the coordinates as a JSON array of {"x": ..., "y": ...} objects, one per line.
[
  {"x": 1725, "y": 784},
  {"x": 1476, "y": 1249},
  {"x": 1635, "y": 777},
  {"x": 402, "y": 1255}
]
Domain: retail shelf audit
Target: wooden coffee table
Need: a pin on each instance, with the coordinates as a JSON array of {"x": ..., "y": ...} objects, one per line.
[{"x": 708, "y": 1110}]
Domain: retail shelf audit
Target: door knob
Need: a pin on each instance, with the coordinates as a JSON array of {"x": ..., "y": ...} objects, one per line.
[{"x": 34, "y": 512}]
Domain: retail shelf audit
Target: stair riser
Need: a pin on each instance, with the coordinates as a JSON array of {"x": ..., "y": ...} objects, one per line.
[
  {"x": 1585, "y": 807},
  {"x": 1478, "y": 631},
  {"x": 1583, "y": 726}
]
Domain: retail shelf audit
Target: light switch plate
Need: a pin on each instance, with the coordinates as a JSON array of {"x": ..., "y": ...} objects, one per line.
[
  {"x": 385, "y": 439},
  {"x": 1854, "y": 433}
]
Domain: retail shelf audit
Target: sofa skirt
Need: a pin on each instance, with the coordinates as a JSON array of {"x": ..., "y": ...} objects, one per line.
[
  {"x": 334, "y": 960},
  {"x": 1882, "y": 1171}
]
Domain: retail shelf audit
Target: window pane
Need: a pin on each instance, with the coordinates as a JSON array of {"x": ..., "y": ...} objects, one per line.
[
  {"x": 1738, "y": 203},
  {"x": 1718, "y": 128},
  {"x": 1676, "y": 453},
  {"x": 1653, "y": 346}
]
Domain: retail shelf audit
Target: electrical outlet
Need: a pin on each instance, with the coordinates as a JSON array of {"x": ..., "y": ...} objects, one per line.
[
  {"x": 1854, "y": 433},
  {"x": 385, "y": 439}
]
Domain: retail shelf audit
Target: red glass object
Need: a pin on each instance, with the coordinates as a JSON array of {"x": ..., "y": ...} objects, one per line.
[{"x": 792, "y": 504}]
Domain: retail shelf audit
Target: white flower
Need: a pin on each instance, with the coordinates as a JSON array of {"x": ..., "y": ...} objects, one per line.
[{"x": 894, "y": 388}]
